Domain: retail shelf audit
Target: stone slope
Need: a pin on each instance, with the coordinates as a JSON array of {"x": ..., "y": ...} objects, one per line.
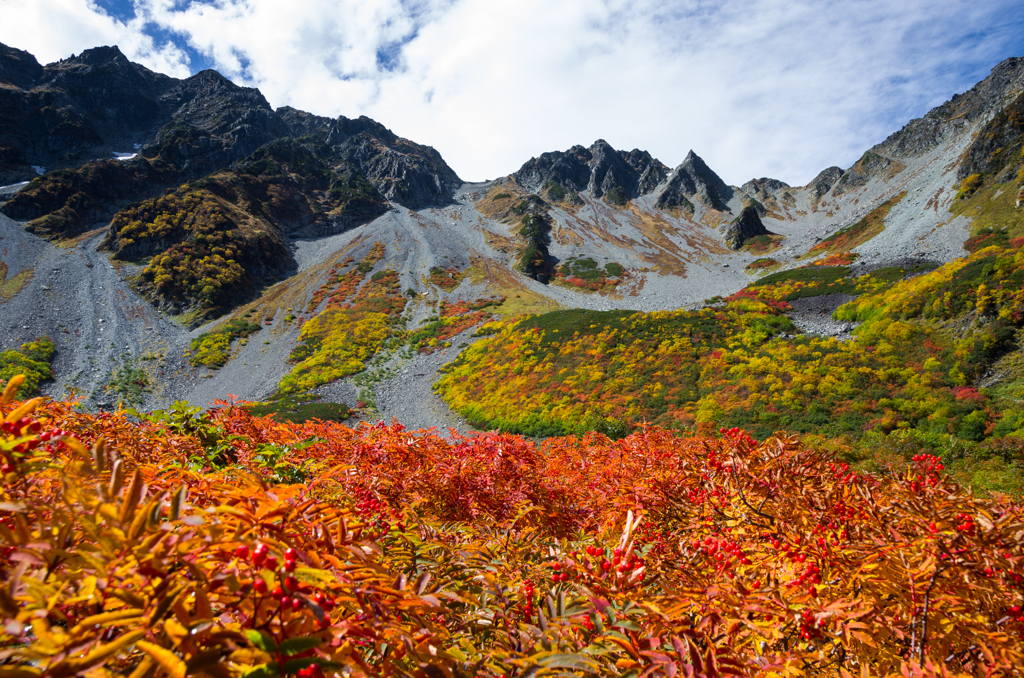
[{"x": 300, "y": 194}]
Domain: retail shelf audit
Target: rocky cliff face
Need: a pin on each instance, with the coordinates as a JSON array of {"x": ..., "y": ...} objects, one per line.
[
  {"x": 870, "y": 165},
  {"x": 74, "y": 110},
  {"x": 744, "y": 227},
  {"x": 997, "y": 148},
  {"x": 187, "y": 129},
  {"x": 826, "y": 179},
  {"x": 694, "y": 179},
  {"x": 617, "y": 176},
  {"x": 988, "y": 96}
]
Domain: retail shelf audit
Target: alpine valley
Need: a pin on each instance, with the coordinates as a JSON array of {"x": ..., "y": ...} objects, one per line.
[
  {"x": 284, "y": 396},
  {"x": 180, "y": 240}
]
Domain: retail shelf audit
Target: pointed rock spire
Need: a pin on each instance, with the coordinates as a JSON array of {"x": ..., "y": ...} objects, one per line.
[{"x": 694, "y": 179}]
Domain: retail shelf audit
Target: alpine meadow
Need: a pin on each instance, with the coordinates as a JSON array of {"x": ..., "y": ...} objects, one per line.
[{"x": 285, "y": 396}]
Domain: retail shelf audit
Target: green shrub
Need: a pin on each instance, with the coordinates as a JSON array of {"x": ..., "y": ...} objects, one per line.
[{"x": 31, "y": 359}]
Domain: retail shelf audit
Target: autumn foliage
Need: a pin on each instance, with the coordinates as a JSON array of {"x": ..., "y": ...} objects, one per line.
[{"x": 174, "y": 546}]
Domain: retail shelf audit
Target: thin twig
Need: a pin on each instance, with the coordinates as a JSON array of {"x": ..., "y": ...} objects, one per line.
[
  {"x": 924, "y": 619},
  {"x": 743, "y": 498}
]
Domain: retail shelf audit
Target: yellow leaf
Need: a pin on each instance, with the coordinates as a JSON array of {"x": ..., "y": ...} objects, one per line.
[
  {"x": 18, "y": 671},
  {"x": 105, "y": 618},
  {"x": 169, "y": 661},
  {"x": 67, "y": 667},
  {"x": 23, "y": 409},
  {"x": 131, "y": 499},
  {"x": 73, "y": 444},
  {"x": 12, "y": 388},
  {"x": 175, "y": 629}
]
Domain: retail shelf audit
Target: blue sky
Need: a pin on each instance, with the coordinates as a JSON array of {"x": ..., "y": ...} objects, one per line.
[{"x": 779, "y": 88}]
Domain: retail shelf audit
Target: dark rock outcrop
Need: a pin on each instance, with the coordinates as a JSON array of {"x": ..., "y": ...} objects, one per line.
[
  {"x": 19, "y": 68},
  {"x": 187, "y": 129},
  {"x": 75, "y": 110},
  {"x": 870, "y": 165},
  {"x": 618, "y": 176},
  {"x": 744, "y": 227},
  {"x": 694, "y": 179},
  {"x": 764, "y": 188},
  {"x": 826, "y": 179},
  {"x": 991, "y": 94},
  {"x": 996, "y": 149}
]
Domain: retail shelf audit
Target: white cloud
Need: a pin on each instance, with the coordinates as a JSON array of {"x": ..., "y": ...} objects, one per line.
[
  {"x": 55, "y": 29},
  {"x": 777, "y": 88}
]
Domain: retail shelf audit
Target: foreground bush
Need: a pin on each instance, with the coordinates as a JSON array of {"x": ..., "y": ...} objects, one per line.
[{"x": 170, "y": 547}]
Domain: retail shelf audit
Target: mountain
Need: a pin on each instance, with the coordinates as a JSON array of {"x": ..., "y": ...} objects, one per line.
[
  {"x": 187, "y": 240},
  {"x": 204, "y": 146}
]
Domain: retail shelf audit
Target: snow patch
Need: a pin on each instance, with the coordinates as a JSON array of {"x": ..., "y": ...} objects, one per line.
[
  {"x": 39, "y": 169},
  {"x": 124, "y": 156}
]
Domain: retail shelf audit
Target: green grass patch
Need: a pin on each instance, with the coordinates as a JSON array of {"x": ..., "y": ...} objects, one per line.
[
  {"x": 300, "y": 409},
  {"x": 31, "y": 359},
  {"x": 213, "y": 349}
]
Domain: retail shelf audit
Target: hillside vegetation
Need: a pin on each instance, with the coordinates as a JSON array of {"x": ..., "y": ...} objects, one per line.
[
  {"x": 919, "y": 365},
  {"x": 220, "y": 543}
]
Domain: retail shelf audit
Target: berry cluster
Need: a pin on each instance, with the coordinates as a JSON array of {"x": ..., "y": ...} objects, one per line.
[
  {"x": 290, "y": 594},
  {"x": 725, "y": 552},
  {"x": 31, "y": 428},
  {"x": 810, "y": 627},
  {"x": 620, "y": 565},
  {"x": 738, "y": 437},
  {"x": 843, "y": 473},
  {"x": 929, "y": 467},
  {"x": 966, "y": 523},
  {"x": 528, "y": 593},
  {"x": 811, "y": 577},
  {"x": 559, "y": 576},
  {"x": 379, "y": 517},
  {"x": 311, "y": 671}
]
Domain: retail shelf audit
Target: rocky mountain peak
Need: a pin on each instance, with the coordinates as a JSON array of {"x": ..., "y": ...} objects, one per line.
[
  {"x": 826, "y": 179},
  {"x": 694, "y": 179},
  {"x": 617, "y": 176},
  {"x": 744, "y": 227},
  {"x": 922, "y": 134},
  {"x": 19, "y": 68},
  {"x": 97, "y": 56},
  {"x": 763, "y": 188}
]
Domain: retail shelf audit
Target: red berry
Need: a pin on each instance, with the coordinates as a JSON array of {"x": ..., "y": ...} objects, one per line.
[
  {"x": 270, "y": 563},
  {"x": 278, "y": 593},
  {"x": 261, "y": 549},
  {"x": 291, "y": 582},
  {"x": 286, "y": 602},
  {"x": 260, "y": 585},
  {"x": 290, "y": 554},
  {"x": 296, "y": 604},
  {"x": 556, "y": 566},
  {"x": 289, "y": 565},
  {"x": 242, "y": 551}
]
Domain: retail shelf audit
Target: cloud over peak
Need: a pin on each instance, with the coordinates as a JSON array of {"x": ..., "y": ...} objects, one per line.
[{"x": 776, "y": 88}]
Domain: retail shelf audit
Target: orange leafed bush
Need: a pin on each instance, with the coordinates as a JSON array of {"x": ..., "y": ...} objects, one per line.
[{"x": 130, "y": 549}]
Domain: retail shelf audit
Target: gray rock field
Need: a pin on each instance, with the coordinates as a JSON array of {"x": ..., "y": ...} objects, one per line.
[{"x": 667, "y": 234}]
